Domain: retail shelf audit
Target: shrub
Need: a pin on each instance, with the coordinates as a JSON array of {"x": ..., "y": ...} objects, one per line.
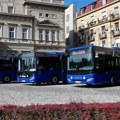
[{"x": 72, "y": 111}]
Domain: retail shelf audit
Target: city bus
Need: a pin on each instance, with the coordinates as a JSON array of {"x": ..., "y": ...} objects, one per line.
[
  {"x": 42, "y": 67},
  {"x": 8, "y": 68},
  {"x": 93, "y": 65}
]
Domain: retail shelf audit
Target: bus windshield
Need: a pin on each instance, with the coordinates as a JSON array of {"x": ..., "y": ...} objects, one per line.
[
  {"x": 27, "y": 63},
  {"x": 80, "y": 60}
]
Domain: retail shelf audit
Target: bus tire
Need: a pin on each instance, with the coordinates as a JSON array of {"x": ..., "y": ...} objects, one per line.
[
  {"x": 6, "y": 79},
  {"x": 113, "y": 80},
  {"x": 54, "y": 80}
]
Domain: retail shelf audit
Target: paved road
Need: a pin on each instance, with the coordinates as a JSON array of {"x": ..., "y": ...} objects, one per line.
[{"x": 27, "y": 94}]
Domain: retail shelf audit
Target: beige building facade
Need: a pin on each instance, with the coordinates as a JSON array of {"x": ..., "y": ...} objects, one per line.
[
  {"x": 27, "y": 25},
  {"x": 99, "y": 24}
]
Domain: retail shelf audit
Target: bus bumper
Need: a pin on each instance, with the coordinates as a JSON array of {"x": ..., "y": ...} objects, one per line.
[
  {"x": 31, "y": 79},
  {"x": 80, "y": 79}
]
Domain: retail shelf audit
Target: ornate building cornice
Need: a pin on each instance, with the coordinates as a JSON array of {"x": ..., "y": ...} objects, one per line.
[{"x": 27, "y": 2}]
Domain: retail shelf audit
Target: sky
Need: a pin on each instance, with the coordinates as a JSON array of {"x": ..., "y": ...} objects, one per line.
[{"x": 79, "y": 3}]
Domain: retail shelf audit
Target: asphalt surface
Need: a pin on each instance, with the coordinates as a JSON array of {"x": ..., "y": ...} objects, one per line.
[{"x": 26, "y": 94}]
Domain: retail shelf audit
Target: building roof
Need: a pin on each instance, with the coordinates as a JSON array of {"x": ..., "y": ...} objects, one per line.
[
  {"x": 97, "y": 4},
  {"x": 45, "y": 4}
]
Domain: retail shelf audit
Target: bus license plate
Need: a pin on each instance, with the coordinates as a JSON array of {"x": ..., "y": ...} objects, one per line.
[
  {"x": 23, "y": 80},
  {"x": 78, "y": 82}
]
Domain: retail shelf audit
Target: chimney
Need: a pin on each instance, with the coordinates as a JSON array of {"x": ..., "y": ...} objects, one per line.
[{"x": 103, "y": 2}]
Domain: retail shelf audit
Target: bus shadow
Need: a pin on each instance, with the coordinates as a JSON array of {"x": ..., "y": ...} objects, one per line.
[
  {"x": 30, "y": 84},
  {"x": 96, "y": 86},
  {"x": 15, "y": 82}
]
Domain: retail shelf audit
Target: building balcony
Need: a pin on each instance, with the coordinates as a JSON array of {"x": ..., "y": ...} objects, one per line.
[
  {"x": 92, "y": 23},
  {"x": 103, "y": 35},
  {"x": 82, "y": 27},
  {"x": 103, "y": 20},
  {"x": 116, "y": 32},
  {"x": 47, "y": 43},
  {"x": 114, "y": 16}
]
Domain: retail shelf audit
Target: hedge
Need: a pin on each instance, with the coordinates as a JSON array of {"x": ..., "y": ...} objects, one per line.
[{"x": 72, "y": 111}]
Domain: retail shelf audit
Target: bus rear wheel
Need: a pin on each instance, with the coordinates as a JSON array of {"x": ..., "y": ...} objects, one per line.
[
  {"x": 6, "y": 79},
  {"x": 54, "y": 80},
  {"x": 113, "y": 80}
]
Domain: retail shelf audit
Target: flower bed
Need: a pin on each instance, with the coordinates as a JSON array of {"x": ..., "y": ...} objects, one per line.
[{"x": 72, "y": 111}]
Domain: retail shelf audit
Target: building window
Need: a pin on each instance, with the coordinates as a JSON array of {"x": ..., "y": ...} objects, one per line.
[
  {"x": 11, "y": 32},
  {"x": 47, "y": 35},
  {"x": 41, "y": 35},
  {"x": 104, "y": 15},
  {"x": 67, "y": 18},
  {"x": 24, "y": 33},
  {"x": 91, "y": 32},
  {"x": 103, "y": 29},
  {"x": 53, "y": 35},
  {"x": 117, "y": 42},
  {"x": 67, "y": 29},
  {"x": 116, "y": 9},
  {"x": 92, "y": 17},
  {"x": 103, "y": 43},
  {"x": 82, "y": 22},
  {"x": 47, "y": 15},
  {"x": 83, "y": 36},
  {"x": 53, "y": 16},
  {"x": 41, "y": 15},
  {"x": 103, "y": 2},
  {"x": 117, "y": 26},
  {"x": 92, "y": 6},
  {"x": 10, "y": 9},
  {"x": 0, "y": 31},
  {"x": 83, "y": 10}
]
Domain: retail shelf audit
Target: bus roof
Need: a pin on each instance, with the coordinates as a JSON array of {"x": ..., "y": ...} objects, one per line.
[
  {"x": 51, "y": 53},
  {"x": 86, "y": 47},
  {"x": 10, "y": 56}
]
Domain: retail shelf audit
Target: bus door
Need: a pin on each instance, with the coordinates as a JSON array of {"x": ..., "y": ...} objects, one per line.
[
  {"x": 102, "y": 68},
  {"x": 64, "y": 69},
  {"x": 48, "y": 67},
  {"x": 41, "y": 69}
]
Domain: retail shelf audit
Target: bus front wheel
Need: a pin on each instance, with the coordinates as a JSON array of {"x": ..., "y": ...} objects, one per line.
[
  {"x": 113, "y": 80},
  {"x": 54, "y": 80},
  {"x": 6, "y": 79}
]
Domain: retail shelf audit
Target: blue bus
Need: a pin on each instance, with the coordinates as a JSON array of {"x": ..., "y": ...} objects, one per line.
[
  {"x": 93, "y": 65},
  {"x": 8, "y": 68},
  {"x": 42, "y": 67}
]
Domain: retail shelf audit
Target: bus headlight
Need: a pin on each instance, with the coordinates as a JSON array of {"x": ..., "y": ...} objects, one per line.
[
  {"x": 90, "y": 79},
  {"x": 84, "y": 78}
]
